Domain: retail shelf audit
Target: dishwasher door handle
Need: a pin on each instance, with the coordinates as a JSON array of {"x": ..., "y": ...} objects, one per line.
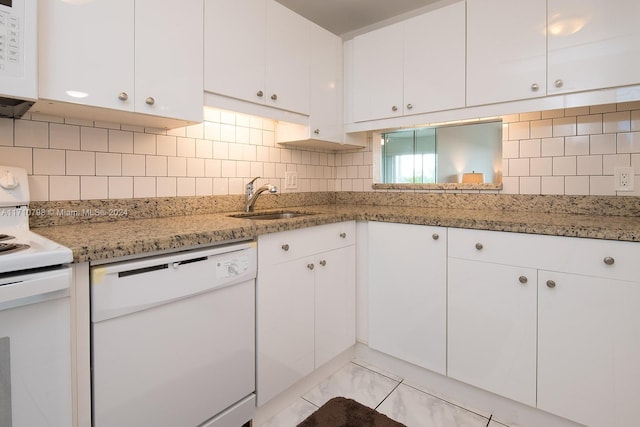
[{"x": 189, "y": 261}]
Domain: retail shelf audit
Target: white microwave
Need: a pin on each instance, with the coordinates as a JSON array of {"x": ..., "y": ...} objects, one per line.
[{"x": 18, "y": 56}]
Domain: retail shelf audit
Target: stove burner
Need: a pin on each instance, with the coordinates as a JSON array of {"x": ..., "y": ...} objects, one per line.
[
  {"x": 6, "y": 237},
  {"x": 7, "y": 248}
]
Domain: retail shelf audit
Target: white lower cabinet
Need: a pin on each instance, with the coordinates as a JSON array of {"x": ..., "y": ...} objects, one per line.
[
  {"x": 407, "y": 292},
  {"x": 305, "y": 303},
  {"x": 589, "y": 348},
  {"x": 492, "y": 327}
]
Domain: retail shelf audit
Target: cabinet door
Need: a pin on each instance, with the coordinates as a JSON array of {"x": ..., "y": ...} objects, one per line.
[
  {"x": 335, "y": 298},
  {"x": 434, "y": 60},
  {"x": 588, "y": 348},
  {"x": 86, "y": 52},
  {"x": 407, "y": 293},
  {"x": 492, "y": 328},
  {"x": 326, "y": 85},
  {"x": 593, "y": 44},
  {"x": 287, "y": 59},
  {"x": 168, "y": 60},
  {"x": 377, "y": 74},
  {"x": 285, "y": 326},
  {"x": 234, "y": 43},
  {"x": 506, "y": 50}
]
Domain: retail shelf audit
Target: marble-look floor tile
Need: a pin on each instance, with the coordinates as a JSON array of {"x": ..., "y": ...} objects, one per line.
[
  {"x": 377, "y": 369},
  {"x": 417, "y": 409},
  {"x": 291, "y": 416},
  {"x": 354, "y": 382}
]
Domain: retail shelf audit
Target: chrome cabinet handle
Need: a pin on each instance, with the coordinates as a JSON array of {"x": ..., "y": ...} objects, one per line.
[
  {"x": 394, "y": 108},
  {"x": 310, "y": 266},
  {"x": 285, "y": 247},
  {"x": 343, "y": 235},
  {"x": 260, "y": 94},
  {"x": 551, "y": 284},
  {"x": 523, "y": 280},
  {"x": 323, "y": 263},
  {"x": 317, "y": 131},
  {"x": 122, "y": 96},
  {"x": 150, "y": 101},
  {"x": 609, "y": 260},
  {"x": 479, "y": 246},
  {"x": 274, "y": 97},
  {"x": 558, "y": 83},
  {"x": 435, "y": 236},
  {"x": 535, "y": 87},
  {"x": 409, "y": 106}
]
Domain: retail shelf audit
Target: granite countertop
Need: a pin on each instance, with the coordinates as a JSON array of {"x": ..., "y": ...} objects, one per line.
[{"x": 108, "y": 240}]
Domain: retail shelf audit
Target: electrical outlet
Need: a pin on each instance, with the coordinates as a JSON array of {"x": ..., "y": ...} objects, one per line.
[
  {"x": 290, "y": 180},
  {"x": 624, "y": 178}
]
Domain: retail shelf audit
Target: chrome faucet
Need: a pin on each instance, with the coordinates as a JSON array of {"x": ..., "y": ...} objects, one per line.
[{"x": 251, "y": 196}]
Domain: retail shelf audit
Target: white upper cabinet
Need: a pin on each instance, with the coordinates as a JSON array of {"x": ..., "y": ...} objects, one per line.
[
  {"x": 593, "y": 44},
  {"x": 168, "y": 58},
  {"x": 506, "y": 50},
  {"x": 234, "y": 46},
  {"x": 123, "y": 56},
  {"x": 86, "y": 52},
  {"x": 378, "y": 74},
  {"x": 257, "y": 51},
  {"x": 411, "y": 67},
  {"x": 434, "y": 58}
]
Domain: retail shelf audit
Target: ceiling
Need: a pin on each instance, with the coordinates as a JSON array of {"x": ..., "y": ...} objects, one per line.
[{"x": 346, "y": 16}]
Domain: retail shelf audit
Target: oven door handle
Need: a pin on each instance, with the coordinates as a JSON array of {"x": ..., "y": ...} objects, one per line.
[{"x": 31, "y": 288}]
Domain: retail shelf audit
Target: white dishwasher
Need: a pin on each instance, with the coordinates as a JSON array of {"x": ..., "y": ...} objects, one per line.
[{"x": 173, "y": 339}]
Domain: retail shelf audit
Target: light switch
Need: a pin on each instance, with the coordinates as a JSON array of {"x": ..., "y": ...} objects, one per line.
[{"x": 290, "y": 180}]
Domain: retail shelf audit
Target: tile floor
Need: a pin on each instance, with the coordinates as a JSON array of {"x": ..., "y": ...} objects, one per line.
[{"x": 384, "y": 392}]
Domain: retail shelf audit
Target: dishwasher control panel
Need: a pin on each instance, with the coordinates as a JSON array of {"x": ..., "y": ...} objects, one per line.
[{"x": 232, "y": 267}]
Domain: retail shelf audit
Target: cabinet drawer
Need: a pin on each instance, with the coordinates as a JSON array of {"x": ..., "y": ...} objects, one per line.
[
  {"x": 590, "y": 257},
  {"x": 287, "y": 245}
]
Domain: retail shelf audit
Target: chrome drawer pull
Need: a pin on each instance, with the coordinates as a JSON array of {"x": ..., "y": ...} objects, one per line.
[
  {"x": 479, "y": 246},
  {"x": 285, "y": 247},
  {"x": 551, "y": 284},
  {"x": 609, "y": 260},
  {"x": 523, "y": 280}
]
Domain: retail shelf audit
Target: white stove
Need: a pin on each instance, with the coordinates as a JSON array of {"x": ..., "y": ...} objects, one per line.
[
  {"x": 35, "y": 315},
  {"x": 21, "y": 248}
]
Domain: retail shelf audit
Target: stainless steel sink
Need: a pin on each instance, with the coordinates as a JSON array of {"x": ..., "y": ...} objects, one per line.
[{"x": 271, "y": 215}]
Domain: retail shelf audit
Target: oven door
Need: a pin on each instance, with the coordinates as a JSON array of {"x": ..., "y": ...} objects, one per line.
[{"x": 35, "y": 349}]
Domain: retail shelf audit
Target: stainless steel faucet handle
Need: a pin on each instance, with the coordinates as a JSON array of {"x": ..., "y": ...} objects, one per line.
[{"x": 249, "y": 185}]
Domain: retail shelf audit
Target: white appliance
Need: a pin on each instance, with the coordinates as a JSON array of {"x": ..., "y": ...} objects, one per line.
[
  {"x": 174, "y": 339},
  {"x": 35, "y": 343},
  {"x": 18, "y": 56}
]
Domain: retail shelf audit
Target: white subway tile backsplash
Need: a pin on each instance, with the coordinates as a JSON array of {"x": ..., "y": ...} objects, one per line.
[
  {"x": 530, "y": 185},
  {"x": 133, "y": 165},
  {"x": 144, "y": 186},
  {"x": 552, "y": 114},
  {"x": 589, "y": 165},
  {"x": 542, "y": 166},
  {"x": 48, "y": 162},
  {"x": 120, "y": 187},
  {"x": 235, "y": 152},
  {"x": 604, "y": 108},
  {"x": 576, "y": 145},
  {"x": 227, "y": 132},
  {"x": 109, "y": 164},
  {"x": 64, "y": 188},
  {"x": 144, "y": 143},
  {"x": 186, "y": 147},
  {"x": 243, "y": 169},
  {"x": 589, "y": 125},
  {"x": 156, "y": 166},
  {"x": 186, "y": 187},
  {"x": 609, "y": 162},
  {"x": 17, "y": 156},
  {"x": 176, "y": 166},
  {"x": 603, "y": 144},
  {"x": 635, "y": 120},
  {"x": 617, "y": 122},
  {"x": 212, "y": 168},
  {"x": 511, "y": 149},
  {"x": 628, "y": 142},
  {"x": 576, "y": 185},
  {"x": 228, "y": 168},
  {"x": 601, "y": 186},
  {"x": 166, "y": 186},
  {"x": 38, "y": 188},
  {"x": 553, "y": 185},
  {"x": 204, "y": 148},
  {"x": 564, "y": 126},
  {"x": 553, "y": 147},
  {"x": 120, "y": 141},
  {"x": 166, "y": 145},
  {"x": 94, "y": 187},
  {"x": 6, "y": 132},
  {"x": 542, "y": 129},
  {"x": 220, "y": 186},
  {"x": 564, "y": 165},
  {"x": 204, "y": 186},
  {"x": 64, "y": 137},
  {"x": 31, "y": 134},
  {"x": 94, "y": 139},
  {"x": 530, "y": 148},
  {"x": 80, "y": 163}
]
